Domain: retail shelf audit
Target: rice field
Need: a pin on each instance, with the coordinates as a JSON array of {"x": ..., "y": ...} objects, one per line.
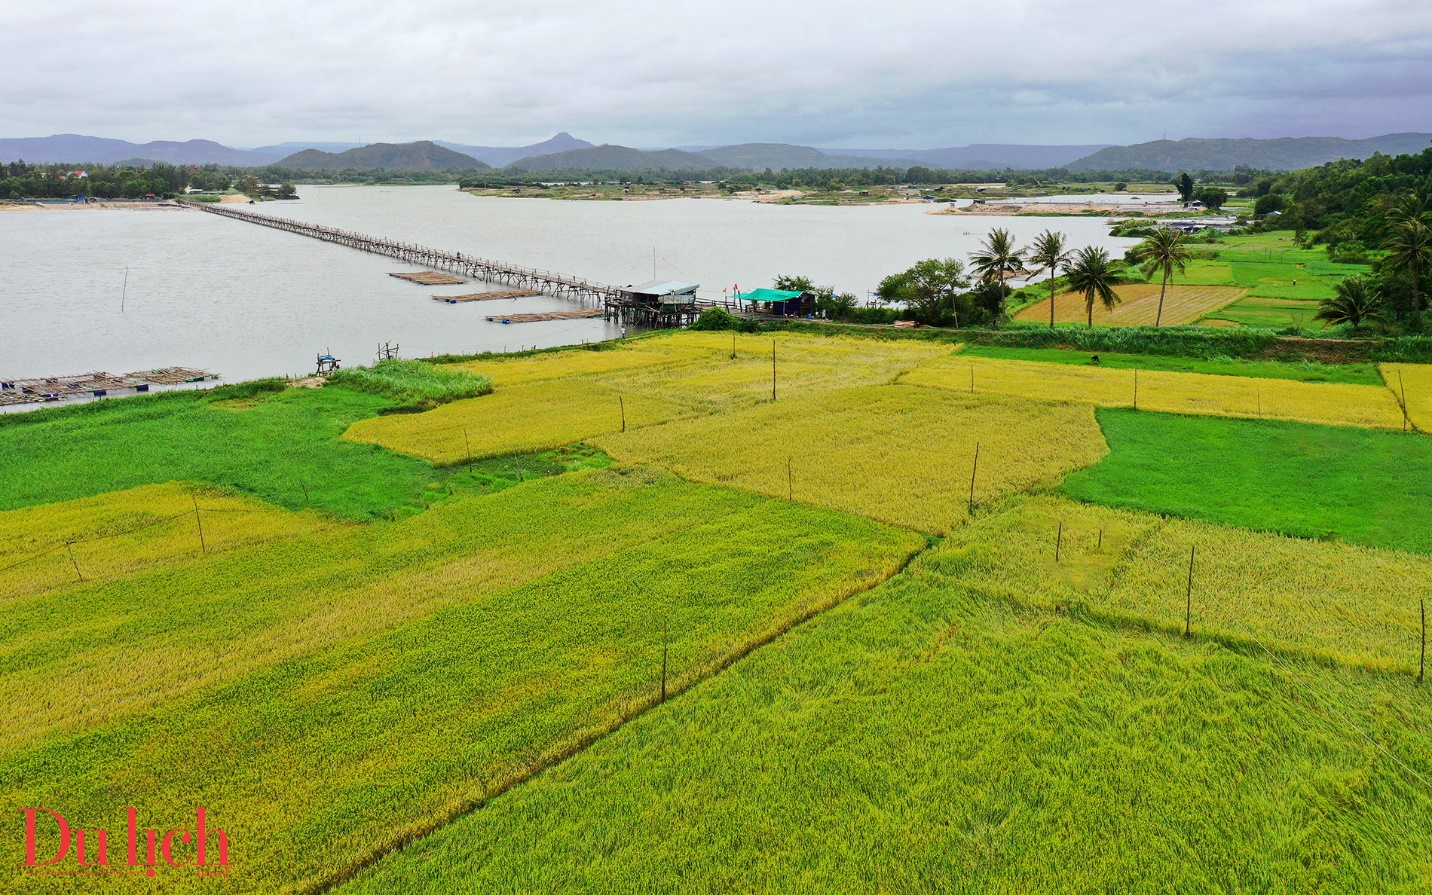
[
  {"x": 1414, "y": 382},
  {"x": 1138, "y": 306},
  {"x": 930, "y": 737},
  {"x": 893, "y": 453},
  {"x": 1326, "y": 403},
  {"x": 356, "y": 687},
  {"x": 514, "y": 419},
  {"x": 47, "y": 547}
]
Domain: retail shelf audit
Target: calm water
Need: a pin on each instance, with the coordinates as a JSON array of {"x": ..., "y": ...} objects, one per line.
[{"x": 247, "y": 301}]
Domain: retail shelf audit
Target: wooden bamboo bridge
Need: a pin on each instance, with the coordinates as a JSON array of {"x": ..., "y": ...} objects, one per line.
[{"x": 546, "y": 281}]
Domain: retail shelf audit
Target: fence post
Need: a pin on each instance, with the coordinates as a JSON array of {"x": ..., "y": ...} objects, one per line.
[
  {"x": 468, "y": 443},
  {"x": 1188, "y": 595},
  {"x": 70, "y": 545},
  {"x": 203, "y": 548},
  {"x": 973, "y": 471},
  {"x": 1058, "y": 541},
  {"x": 622, "y": 404}
]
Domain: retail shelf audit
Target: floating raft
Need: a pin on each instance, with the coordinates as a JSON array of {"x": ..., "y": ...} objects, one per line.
[
  {"x": 430, "y": 278},
  {"x": 550, "y": 315},
  {"x": 487, "y": 296},
  {"x": 99, "y": 384}
]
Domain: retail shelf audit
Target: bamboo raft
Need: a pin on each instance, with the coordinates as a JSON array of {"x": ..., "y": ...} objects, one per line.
[
  {"x": 549, "y": 315},
  {"x": 95, "y": 384},
  {"x": 430, "y": 278},
  {"x": 487, "y": 296}
]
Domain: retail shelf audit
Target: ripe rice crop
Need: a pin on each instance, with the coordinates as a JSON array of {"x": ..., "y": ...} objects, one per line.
[
  {"x": 513, "y": 419},
  {"x": 355, "y": 687},
  {"x": 126, "y": 531},
  {"x": 1323, "y": 600},
  {"x": 898, "y": 454},
  {"x": 1335, "y": 404},
  {"x": 1183, "y": 304},
  {"x": 1415, "y": 381}
]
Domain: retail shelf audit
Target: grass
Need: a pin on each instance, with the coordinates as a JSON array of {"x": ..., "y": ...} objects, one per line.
[
  {"x": 1335, "y": 404},
  {"x": 356, "y": 687},
  {"x": 1184, "y": 303},
  {"x": 413, "y": 383},
  {"x": 1356, "y": 485},
  {"x": 931, "y": 737},
  {"x": 1303, "y": 371},
  {"x": 897, "y": 454},
  {"x": 282, "y": 447}
]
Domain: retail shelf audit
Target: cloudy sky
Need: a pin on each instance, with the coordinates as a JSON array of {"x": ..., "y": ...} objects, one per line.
[{"x": 897, "y": 73}]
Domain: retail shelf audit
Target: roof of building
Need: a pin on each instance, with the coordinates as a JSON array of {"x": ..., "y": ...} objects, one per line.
[
  {"x": 768, "y": 295},
  {"x": 663, "y": 287}
]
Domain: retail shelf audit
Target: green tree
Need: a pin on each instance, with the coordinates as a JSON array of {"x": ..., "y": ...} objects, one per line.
[
  {"x": 1355, "y": 302},
  {"x": 1094, "y": 276},
  {"x": 1184, "y": 184},
  {"x": 1212, "y": 197},
  {"x": 1163, "y": 252},
  {"x": 996, "y": 261},
  {"x": 927, "y": 289},
  {"x": 1409, "y": 248},
  {"x": 1050, "y": 252}
]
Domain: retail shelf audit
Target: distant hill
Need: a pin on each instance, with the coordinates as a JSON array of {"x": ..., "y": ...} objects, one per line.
[
  {"x": 283, "y": 150},
  {"x": 980, "y": 156},
  {"x": 423, "y": 155},
  {"x": 80, "y": 149},
  {"x": 502, "y": 156},
  {"x": 618, "y": 158},
  {"x": 1283, "y": 154},
  {"x": 759, "y": 156}
]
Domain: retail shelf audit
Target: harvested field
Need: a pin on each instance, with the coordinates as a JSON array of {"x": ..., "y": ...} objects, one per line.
[
  {"x": 517, "y": 419},
  {"x": 892, "y": 453},
  {"x": 487, "y": 296},
  {"x": 1334, "y": 404},
  {"x": 430, "y": 278},
  {"x": 1183, "y": 304}
]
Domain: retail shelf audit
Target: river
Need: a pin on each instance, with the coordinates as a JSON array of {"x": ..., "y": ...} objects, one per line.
[{"x": 124, "y": 290}]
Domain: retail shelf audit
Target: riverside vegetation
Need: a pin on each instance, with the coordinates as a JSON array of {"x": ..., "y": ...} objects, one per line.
[{"x": 833, "y": 620}]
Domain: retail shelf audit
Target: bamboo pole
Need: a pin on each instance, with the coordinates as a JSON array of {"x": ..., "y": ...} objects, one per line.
[
  {"x": 70, "y": 545},
  {"x": 203, "y": 548},
  {"x": 973, "y": 471},
  {"x": 1058, "y": 541}
]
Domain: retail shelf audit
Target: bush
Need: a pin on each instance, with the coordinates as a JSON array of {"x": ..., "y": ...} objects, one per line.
[
  {"x": 720, "y": 319},
  {"x": 414, "y": 384},
  {"x": 251, "y": 389}
]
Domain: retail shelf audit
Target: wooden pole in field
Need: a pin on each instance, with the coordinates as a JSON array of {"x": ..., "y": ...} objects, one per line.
[
  {"x": 665, "y": 646},
  {"x": 1101, "y": 539},
  {"x": 1403, "y": 386},
  {"x": 1188, "y": 595},
  {"x": 622, "y": 404},
  {"x": 1136, "y": 388},
  {"x": 790, "y": 480},
  {"x": 304, "y": 485},
  {"x": 70, "y": 545},
  {"x": 733, "y": 344},
  {"x": 973, "y": 472},
  {"x": 773, "y": 369},
  {"x": 972, "y": 379},
  {"x": 1058, "y": 540},
  {"x": 203, "y": 548},
  {"x": 468, "y": 444},
  {"x": 1422, "y": 664}
]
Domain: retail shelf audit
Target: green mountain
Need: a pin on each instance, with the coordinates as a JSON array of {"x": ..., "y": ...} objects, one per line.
[
  {"x": 423, "y": 155},
  {"x": 617, "y": 158},
  {"x": 1284, "y": 154}
]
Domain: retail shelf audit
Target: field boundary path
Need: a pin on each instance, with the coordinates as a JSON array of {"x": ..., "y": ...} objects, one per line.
[{"x": 560, "y": 285}]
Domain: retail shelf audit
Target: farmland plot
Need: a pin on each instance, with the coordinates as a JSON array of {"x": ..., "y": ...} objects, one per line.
[{"x": 1139, "y": 305}]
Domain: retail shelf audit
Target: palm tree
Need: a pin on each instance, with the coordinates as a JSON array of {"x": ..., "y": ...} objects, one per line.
[
  {"x": 1355, "y": 302},
  {"x": 1410, "y": 248},
  {"x": 1094, "y": 276},
  {"x": 996, "y": 261},
  {"x": 1164, "y": 252},
  {"x": 1050, "y": 252}
]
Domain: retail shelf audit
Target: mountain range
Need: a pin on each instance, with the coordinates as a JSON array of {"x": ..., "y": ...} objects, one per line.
[{"x": 567, "y": 151}]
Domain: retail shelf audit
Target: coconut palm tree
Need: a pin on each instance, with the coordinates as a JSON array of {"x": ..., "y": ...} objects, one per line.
[
  {"x": 996, "y": 261},
  {"x": 1050, "y": 251},
  {"x": 1163, "y": 252},
  {"x": 1410, "y": 248},
  {"x": 1094, "y": 276},
  {"x": 1355, "y": 303}
]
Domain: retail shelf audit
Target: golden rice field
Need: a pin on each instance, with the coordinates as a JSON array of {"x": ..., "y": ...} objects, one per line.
[
  {"x": 514, "y": 419},
  {"x": 1414, "y": 381},
  {"x": 1328, "y": 600},
  {"x": 1139, "y": 305},
  {"x": 1333, "y": 404},
  {"x": 893, "y": 453},
  {"x": 124, "y": 532}
]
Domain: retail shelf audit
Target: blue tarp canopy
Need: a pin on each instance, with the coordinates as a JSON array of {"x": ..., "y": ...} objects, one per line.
[{"x": 774, "y": 295}]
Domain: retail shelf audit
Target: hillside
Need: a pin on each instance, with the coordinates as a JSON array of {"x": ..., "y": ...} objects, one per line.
[
  {"x": 423, "y": 155},
  {"x": 501, "y": 156},
  {"x": 617, "y": 158},
  {"x": 1283, "y": 154},
  {"x": 81, "y": 149},
  {"x": 980, "y": 156}
]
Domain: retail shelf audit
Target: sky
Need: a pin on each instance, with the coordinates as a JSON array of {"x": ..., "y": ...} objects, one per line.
[{"x": 654, "y": 73}]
